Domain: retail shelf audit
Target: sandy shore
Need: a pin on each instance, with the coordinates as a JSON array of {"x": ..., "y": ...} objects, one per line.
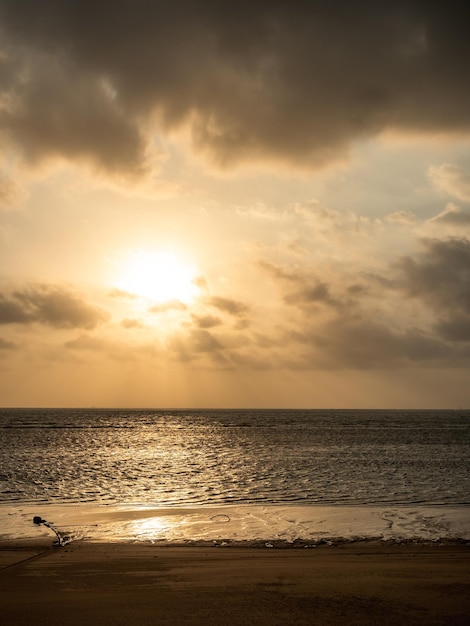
[
  {"x": 137, "y": 584},
  {"x": 260, "y": 523}
]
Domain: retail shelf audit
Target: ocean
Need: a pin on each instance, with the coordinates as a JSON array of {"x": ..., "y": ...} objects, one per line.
[{"x": 187, "y": 459}]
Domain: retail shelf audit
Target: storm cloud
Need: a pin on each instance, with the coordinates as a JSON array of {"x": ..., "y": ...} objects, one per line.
[{"x": 258, "y": 80}]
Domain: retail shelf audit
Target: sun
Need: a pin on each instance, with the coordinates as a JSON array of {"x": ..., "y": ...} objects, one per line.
[{"x": 158, "y": 276}]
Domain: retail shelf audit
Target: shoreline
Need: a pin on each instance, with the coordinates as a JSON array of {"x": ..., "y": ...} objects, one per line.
[
  {"x": 364, "y": 582},
  {"x": 49, "y": 543},
  {"x": 234, "y": 524}
]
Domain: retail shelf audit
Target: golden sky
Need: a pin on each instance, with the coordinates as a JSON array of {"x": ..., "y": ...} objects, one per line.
[{"x": 252, "y": 204}]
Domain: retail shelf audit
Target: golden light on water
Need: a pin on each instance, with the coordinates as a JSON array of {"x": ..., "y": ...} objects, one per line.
[{"x": 153, "y": 528}]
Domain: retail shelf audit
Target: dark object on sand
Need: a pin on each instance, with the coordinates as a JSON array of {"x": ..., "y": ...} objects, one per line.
[{"x": 61, "y": 541}]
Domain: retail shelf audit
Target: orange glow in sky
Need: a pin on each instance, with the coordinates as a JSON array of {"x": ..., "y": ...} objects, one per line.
[
  {"x": 261, "y": 207},
  {"x": 157, "y": 276}
]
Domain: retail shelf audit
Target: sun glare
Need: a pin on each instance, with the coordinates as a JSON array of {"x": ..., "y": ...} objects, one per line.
[{"x": 158, "y": 276}]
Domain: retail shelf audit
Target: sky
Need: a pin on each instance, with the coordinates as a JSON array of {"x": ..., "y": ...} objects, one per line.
[{"x": 251, "y": 204}]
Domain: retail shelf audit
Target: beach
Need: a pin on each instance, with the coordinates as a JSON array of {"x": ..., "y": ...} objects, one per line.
[
  {"x": 234, "y": 517},
  {"x": 122, "y": 583}
]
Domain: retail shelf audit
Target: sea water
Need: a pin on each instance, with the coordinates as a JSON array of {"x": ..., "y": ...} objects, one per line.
[{"x": 268, "y": 464}]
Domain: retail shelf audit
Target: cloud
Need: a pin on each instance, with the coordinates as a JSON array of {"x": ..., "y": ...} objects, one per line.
[
  {"x": 415, "y": 312},
  {"x": 6, "y": 345},
  {"x": 195, "y": 344},
  {"x": 315, "y": 293},
  {"x": 11, "y": 193},
  {"x": 452, "y": 179},
  {"x": 452, "y": 216},
  {"x": 50, "y": 305},
  {"x": 47, "y": 117},
  {"x": 256, "y": 80},
  {"x": 440, "y": 275},
  {"x": 171, "y": 305},
  {"x": 89, "y": 343},
  {"x": 401, "y": 217},
  {"x": 299, "y": 286},
  {"x": 365, "y": 343},
  {"x": 131, "y": 323},
  {"x": 279, "y": 273},
  {"x": 204, "y": 341},
  {"x": 120, "y": 293},
  {"x": 228, "y": 305},
  {"x": 455, "y": 328},
  {"x": 206, "y": 321}
]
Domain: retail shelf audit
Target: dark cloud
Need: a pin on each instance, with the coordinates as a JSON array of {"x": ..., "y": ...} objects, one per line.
[
  {"x": 206, "y": 321},
  {"x": 356, "y": 289},
  {"x": 54, "y": 118},
  {"x": 318, "y": 292},
  {"x": 207, "y": 342},
  {"x": 439, "y": 278},
  {"x": 203, "y": 341},
  {"x": 440, "y": 275},
  {"x": 50, "y": 305},
  {"x": 455, "y": 328},
  {"x": 366, "y": 343},
  {"x": 297, "y": 80},
  {"x": 197, "y": 343},
  {"x": 12, "y": 311},
  {"x": 300, "y": 287},
  {"x": 228, "y": 305}
]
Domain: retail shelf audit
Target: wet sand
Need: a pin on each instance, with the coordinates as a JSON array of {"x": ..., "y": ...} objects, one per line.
[{"x": 137, "y": 584}]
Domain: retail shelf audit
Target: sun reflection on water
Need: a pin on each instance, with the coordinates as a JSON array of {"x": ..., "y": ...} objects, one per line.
[{"x": 155, "y": 528}]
